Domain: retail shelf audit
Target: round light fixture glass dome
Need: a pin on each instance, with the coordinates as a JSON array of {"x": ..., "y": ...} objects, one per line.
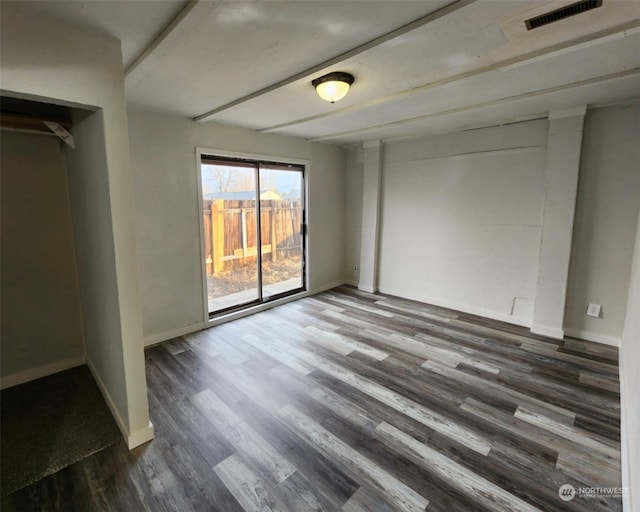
[{"x": 334, "y": 86}]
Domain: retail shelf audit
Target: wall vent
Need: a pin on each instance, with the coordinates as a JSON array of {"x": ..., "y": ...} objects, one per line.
[{"x": 562, "y": 13}]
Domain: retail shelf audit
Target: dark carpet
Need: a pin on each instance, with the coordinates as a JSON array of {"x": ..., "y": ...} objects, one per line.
[{"x": 49, "y": 424}]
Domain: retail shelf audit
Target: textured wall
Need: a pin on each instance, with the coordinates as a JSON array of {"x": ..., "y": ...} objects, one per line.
[
  {"x": 606, "y": 217},
  {"x": 461, "y": 219},
  {"x": 41, "y": 317}
]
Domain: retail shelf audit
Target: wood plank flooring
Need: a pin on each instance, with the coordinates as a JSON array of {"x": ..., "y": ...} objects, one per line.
[{"x": 358, "y": 402}]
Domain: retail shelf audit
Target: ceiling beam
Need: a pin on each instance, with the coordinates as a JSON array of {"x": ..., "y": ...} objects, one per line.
[
  {"x": 600, "y": 37},
  {"x": 491, "y": 103},
  {"x": 470, "y": 127},
  {"x": 190, "y": 17},
  {"x": 308, "y": 73}
]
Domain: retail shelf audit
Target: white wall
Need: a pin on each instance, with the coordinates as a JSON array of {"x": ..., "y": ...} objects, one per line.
[
  {"x": 630, "y": 385},
  {"x": 167, "y": 217},
  {"x": 326, "y": 206},
  {"x": 462, "y": 215},
  {"x": 461, "y": 219},
  {"x": 41, "y": 318},
  {"x": 353, "y": 212},
  {"x": 55, "y": 63},
  {"x": 605, "y": 224}
]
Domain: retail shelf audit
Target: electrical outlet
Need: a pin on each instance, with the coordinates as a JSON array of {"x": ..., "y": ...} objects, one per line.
[
  {"x": 594, "y": 310},
  {"x": 355, "y": 268}
]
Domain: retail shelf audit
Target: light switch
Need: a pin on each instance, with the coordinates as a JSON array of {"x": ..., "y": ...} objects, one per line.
[{"x": 594, "y": 310}]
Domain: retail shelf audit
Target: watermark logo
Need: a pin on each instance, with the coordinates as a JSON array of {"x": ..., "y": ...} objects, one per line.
[{"x": 567, "y": 492}]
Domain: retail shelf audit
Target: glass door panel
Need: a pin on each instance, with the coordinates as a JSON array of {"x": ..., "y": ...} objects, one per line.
[
  {"x": 231, "y": 235},
  {"x": 252, "y": 254},
  {"x": 281, "y": 214}
]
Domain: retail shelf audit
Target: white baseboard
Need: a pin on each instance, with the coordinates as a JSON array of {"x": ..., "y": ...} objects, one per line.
[
  {"x": 132, "y": 439},
  {"x": 550, "y": 332},
  {"x": 594, "y": 336},
  {"x": 154, "y": 339},
  {"x": 41, "y": 371},
  {"x": 139, "y": 437},
  {"x": 368, "y": 289},
  {"x": 107, "y": 397},
  {"x": 325, "y": 287},
  {"x": 463, "y": 308}
]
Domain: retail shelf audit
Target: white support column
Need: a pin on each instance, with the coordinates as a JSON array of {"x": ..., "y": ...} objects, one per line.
[
  {"x": 562, "y": 168},
  {"x": 370, "y": 216}
]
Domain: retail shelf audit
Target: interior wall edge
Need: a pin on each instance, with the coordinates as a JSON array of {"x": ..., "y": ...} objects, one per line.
[{"x": 30, "y": 374}]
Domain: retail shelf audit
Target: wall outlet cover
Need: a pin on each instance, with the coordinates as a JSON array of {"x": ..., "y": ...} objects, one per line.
[{"x": 594, "y": 310}]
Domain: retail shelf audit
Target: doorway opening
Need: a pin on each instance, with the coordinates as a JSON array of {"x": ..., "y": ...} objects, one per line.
[{"x": 253, "y": 231}]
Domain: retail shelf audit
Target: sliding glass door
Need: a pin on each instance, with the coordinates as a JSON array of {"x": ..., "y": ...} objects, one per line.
[
  {"x": 253, "y": 219},
  {"x": 281, "y": 228}
]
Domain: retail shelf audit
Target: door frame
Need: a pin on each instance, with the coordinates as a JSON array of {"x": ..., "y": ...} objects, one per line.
[{"x": 199, "y": 151}]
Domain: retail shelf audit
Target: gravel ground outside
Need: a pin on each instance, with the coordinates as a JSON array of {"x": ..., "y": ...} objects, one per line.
[{"x": 244, "y": 277}]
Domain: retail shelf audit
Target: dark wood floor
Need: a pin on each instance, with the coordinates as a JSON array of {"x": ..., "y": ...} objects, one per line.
[{"x": 357, "y": 402}]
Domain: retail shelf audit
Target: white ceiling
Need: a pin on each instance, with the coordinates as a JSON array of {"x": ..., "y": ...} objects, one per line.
[
  {"x": 454, "y": 65},
  {"x": 136, "y": 23}
]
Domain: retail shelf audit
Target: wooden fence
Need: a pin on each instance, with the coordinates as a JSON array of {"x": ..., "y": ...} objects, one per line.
[{"x": 230, "y": 232}]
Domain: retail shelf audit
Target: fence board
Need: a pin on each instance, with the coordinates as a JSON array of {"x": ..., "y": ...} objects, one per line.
[{"x": 230, "y": 229}]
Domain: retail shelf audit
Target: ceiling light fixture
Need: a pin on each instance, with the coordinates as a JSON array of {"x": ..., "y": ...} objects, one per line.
[{"x": 334, "y": 86}]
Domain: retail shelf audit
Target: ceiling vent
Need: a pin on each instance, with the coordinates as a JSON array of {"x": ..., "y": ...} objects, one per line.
[{"x": 562, "y": 13}]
